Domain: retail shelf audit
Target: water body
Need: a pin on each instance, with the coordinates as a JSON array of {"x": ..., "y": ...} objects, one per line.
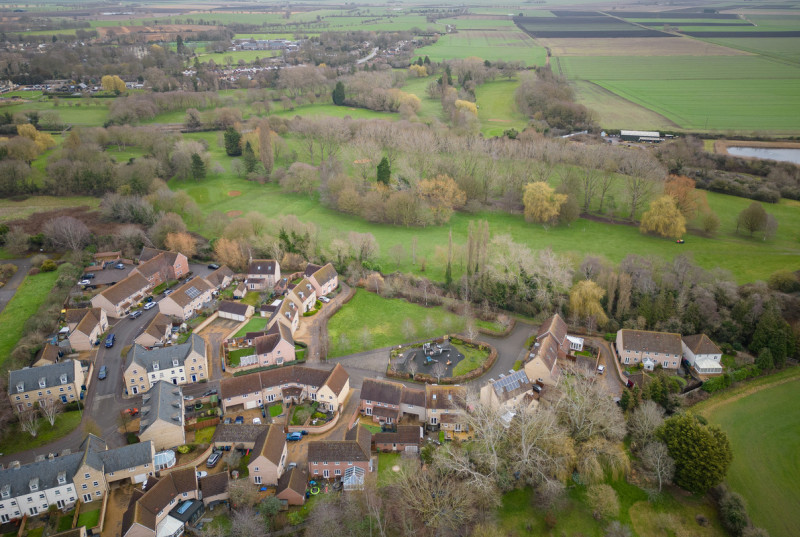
[{"x": 782, "y": 155}]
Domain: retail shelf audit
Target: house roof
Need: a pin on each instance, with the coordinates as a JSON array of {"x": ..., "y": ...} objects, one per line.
[
  {"x": 158, "y": 326},
  {"x": 30, "y": 378},
  {"x": 294, "y": 480},
  {"x": 325, "y": 274},
  {"x": 547, "y": 350},
  {"x": 701, "y": 344},
  {"x": 49, "y": 353},
  {"x": 266, "y": 344},
  {"x": 189, "y": 291},
  {"x": 126, "y": 288},
  {"x": 233, "y": 433},
  {"x": 166, "y": 356},
  {"x": 74, "y": 316},
  {"x": 158, "y": 495},
  {"x": 303, "y": 290},
  {"x": 337, "y": 379},
  {"x": 406, "y": 434},
  {"x": 217, "y": 277},
  {"x": 234, "y": 308},
  {"x": 128, "y": 456},
  {"x": 647, "y": 341},
  {"x": 511, "y": 385},
  {"x": 311, "y": 268},
  {"x": 214, "y": 484},
  {"x": 255, "y": 382},
  {"x": 162, "y": 261},
  {"x": 89, "y": 321},
  {"x": 149, "y": 253},
  {"x": 554, "y": 326},
  {"x": 270, "y": 444},
  {"x": 288, "y": 310},
  {"x": 355, "y": 447},
  {"x": 413, "y": 396},
  {"x": 381, "y": 391},
  {"x": 264, "y": 267},
  {"x": 163, "y": 402},
  {"x": 386, "y": 412},
  {"x": 44, "y": 474},
  {"x": 444, "y": 397}
]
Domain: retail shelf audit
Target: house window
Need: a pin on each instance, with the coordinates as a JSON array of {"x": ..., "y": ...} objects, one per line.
[
  {"x": 96, "y": 484},
  {"x": 84, "y": 486},
  {"x": 326, "y": 474},
  {"x": 86, "y": 476},
  {"x": 98, "y": 493},
  {"x": 257, "y": 479},
  {"x": 255, "y": 469},
  {"x": 185, "y": 494},
  {"x": 337, "y": 472},
  {"x": 316, "y": 472}
]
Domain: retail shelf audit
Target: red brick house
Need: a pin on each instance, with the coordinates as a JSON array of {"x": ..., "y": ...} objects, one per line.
[
  {"x": 329, "y": 459},
  {"x": 406, "y": 438}
]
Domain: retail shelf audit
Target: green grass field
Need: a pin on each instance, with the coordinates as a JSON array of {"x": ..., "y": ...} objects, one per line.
[
  {"x": 705, "y": 93},
  {"x": 497, "y": 110},
  {"x": 383, "y": 321},
  {"x": 14, "y": 210},
  {"x": 473, "y": 359},
  {"x": 16, "y": 440},
  {"x": 764, "y": 430},
  {"x": 71, "y": 111},
  {"x": 256, "y": 324},
  {"x": 31, "y": 294},
  {"x": 246, "y": 56},
  {"x": 783, "y": 48},
  {"x": 503, "y": 44}
]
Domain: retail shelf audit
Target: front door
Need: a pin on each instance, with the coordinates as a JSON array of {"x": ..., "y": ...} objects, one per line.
[
  {"x": 326, "y": 474},
  {"x": 135, "y": 390},
  {"x": 64, "y": 399},
  {"x": 60, "y": 504},
  {"x": 87, "y": 498},
  {"x": 175, "y": 381},
  {"x": 194, "y": 378}
]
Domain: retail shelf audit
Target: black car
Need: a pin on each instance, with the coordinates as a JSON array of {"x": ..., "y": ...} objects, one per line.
[
  {"x": 89, "y": 276},
  {"x": 110, "y": 340},
  {"x": 213, "y": 266}
]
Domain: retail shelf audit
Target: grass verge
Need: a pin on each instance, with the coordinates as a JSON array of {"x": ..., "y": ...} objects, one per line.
[
  {"x": 16, "y": 440},
  {"x": 31, "y": 294}
]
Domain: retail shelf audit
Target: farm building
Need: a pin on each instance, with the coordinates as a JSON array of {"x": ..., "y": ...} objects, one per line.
[{"x": 640, "y": 136}]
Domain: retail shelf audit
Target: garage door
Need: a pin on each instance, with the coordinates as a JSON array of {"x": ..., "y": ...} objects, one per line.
[
  {"x": 250, "y": 404},
  {"x": 411, "y": 449},
  {"x": 141, "y": 478}
]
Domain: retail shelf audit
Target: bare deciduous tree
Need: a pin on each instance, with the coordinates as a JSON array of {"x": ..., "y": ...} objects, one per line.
[
  {"x": 29, "y": 422},
  {"x": 439, "y": 370},
  {"x": 541, "y": 450},
  {"x": 243, "y": 494},
  {"x": 66, "y": 232},
  {"x": 655, "y": 457},
  {"x": 50, "y": 409},
  {"x": 245, "y": 522},
  {"x": 644, "y": 421}
]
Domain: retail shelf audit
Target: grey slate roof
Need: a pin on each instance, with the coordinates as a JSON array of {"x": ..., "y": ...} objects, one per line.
[
  {"x": 18, "y": 480},
  {"x": 126, "y": 457},
  {"x": 163, "y": 402},
  {"x": 29, "y": 378},
  {"x": 165, "y": 356}
]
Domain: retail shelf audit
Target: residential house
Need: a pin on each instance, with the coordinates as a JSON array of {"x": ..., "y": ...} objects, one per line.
[
  {"x": 101, "y": 467},
  {"x": 161, "y": 417},
  {"x": 262, "y": 274},
  {"x": 117, "y": 300},
  {"x": 649, "y": 348},
  {"x": 62, "y": 381},
  {"x": 276, "y": 347},
  {"x": 303, "y": 295},
  {"x": 240, "y": 291},
  {"x": 50, "y": 354},
  {"x": 150, "y": 514},
  {"x": 178, "y": 364},
  {"x": 85, "y": 327},
  {"x": 187, "y": 299},
  {"x": 268, "y": 458},
  {"x": 412, "y": 403},
  {"x": 329, "y": 459},
  {"x": 214, "y": 489},
  {"x": 407, "y": 438},
  {"x": 550, "y": 345},
  {"x": 381, "y": 400},
  {"x": 156, "y": 333},
  {"x": 509, "y": 392},
  {"x": 162, "y": 267},
  {"x": 235, "y": 311},
  {"x": 703, "y": 354},
  {"x": 288, "y": 384},
  {"x": 445, "y": 408},
  {"x": 292, "y": 486},
  {"x": 288, "y": 314},
  {"x": 220, "y": 278},
  {"x": 324, "y": 279},
  {"x": 228, "y": 436}
]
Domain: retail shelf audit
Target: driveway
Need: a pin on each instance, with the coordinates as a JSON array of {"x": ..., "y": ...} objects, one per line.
[
  {"x": 613, "y": 374},
  {"x": 8, "y": 290}
]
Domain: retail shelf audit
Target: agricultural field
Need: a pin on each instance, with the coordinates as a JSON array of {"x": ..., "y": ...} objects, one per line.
[
  {"x": 765, "y": 445},
  {"x": 736, "y": 93},
  {"x": 247, "y": 56},
  {"x": 496, "y": 108},
  {"x": 781, "y": 48},
  {"x": 615, "y": 112},
  {"x": 16, "y": 210},
  {"x": 643, "y": 46},
  {"x": 492, "y": 45},
  {"x": 583, "y": 25}
]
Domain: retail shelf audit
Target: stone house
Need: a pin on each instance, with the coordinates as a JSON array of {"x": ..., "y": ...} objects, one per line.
[
  {"x": 178, "y": 364},
  {"x": 262, "y": 274},
  {"x": 85, "y": 327},
  {"x": 157, "y": 332},
  {"x": 118, "y": 299},
  {"x": 649, "y": 348},
  {"x": 61, "y": 381},
  {"x": 161, "y": 417}
]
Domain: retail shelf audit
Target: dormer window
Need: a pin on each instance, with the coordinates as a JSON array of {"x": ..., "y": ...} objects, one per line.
[
  {"x": 6, "y": 491},
  {"x": 34, "y": 484},
  {"x": 62, "y": 478},
  {"x": 301, "y": 294},
  {"x": 42, "y": 382},
  {"x": 308, "y": 286},
  {"x": 20, "y": 387},
  {"x": 63, "y": 379},
  {"x": 175, "y": 362},
  {"x": 155, "y": 366}
]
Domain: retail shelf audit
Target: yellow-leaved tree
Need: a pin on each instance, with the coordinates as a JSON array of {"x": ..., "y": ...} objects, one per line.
[
  {"x": 113, "y": 83},
  {"x": 542, "y": 204},
  {"x": 442, "y": 195},
  {"x": 467, "y": 106},
  {"x": 584, "y": 302},
  {"x": 42, "y": 140},
  {"x": 664, "y": 218},
  {"x": 418, "y": 71}
]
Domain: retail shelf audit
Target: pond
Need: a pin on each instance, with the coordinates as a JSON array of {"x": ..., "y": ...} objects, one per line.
[{"x": 779, "y": 154}]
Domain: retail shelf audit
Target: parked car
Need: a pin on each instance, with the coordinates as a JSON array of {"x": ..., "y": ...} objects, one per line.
[
  {"x": 324, "y": 299},
  {"x": 210, "y": 392},
  {"x": 256, "y": 421},
  {"x": 110, "y": 340},
  {"x": 239, "y": 420},
  {"x": 89, "y": 276},
  {"x": 148, "y": 299},
  {"x": 227, "y": 421},
  {"x": 167, "y": 292},
  {"x": 201, "y": 474},
  {"x": 135, "y": 314},
  {"x": 150, "y": 305},
  {"x": 291, "y": 466},
  {"x": 601, "y": 369},
  {"x": 304, "y": 432},
  {"x": 188, "y": 397},
  {"x": 119, "y": 266},
  {"x": 213, "y": 266},
  {"x": 294, "y": 437},
  {"x": 213, "y": 459},
  {"x": 132, "y": 412},
  {"x": 103, "y": 373},
  {"x": 85, "y": 282}
]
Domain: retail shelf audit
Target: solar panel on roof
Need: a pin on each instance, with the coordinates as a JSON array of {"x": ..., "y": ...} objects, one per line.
[
  {"x": 192, "y": 292},
  {"x": 511, "y": 382}
]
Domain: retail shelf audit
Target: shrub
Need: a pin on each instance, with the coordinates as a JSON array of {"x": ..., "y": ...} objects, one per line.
[
  {"x": 603, "y": 500},
  {"x": 733, "y": 513},
  {"x": 132, "y": 438},
  {"x": 38, "y": 259},
  {"x": 184, "y": 449},
  {"x": 49, "y": 266}
]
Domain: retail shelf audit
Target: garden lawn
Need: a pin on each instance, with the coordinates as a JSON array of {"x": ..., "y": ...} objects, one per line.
[
  {"x": 301, "y": 413},
  {"x": 763, "y": 424},
  {"x": 89, "y": 518},
  {"x": 235, "y": 356},
  {"x": 252, "y": 299},
  {"x": 275, "y": 410},
  {"x": 385, "y": 463},
  {"x": 31, "y": 294},
  {"x": 65, "y": 522},
  {"x": 473, "y": 359},
  {"x": 256, "y": 324},
  {"x": 369, "y": 321},
  {"x": 204, "y": 435},
  {"x": 506, "y": 44},
  {"x": 15, "y": 440}
]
